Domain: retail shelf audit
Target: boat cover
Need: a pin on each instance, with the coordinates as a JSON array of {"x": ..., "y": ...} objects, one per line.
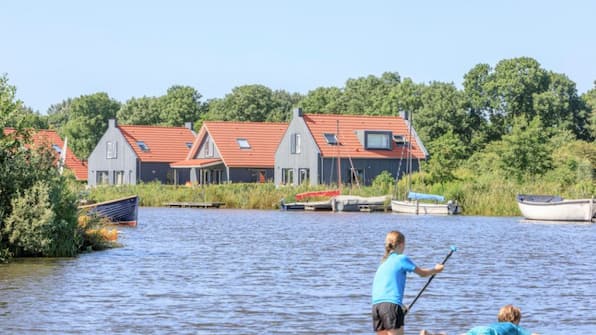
[
  {"x": 539, "y": 198},
  {"x": 423, "y": 196}
]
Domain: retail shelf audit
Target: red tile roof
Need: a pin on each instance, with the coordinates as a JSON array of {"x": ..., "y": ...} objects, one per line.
[
  {"x": 263, "y": 138},
  {"x": 164, "y": 144},
  {"x": 50, "y": 137},
  {"x": 350, "y": 145}
]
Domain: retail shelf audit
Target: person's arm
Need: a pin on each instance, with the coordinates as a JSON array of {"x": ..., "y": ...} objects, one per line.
[{"x": 423, "y": 272}]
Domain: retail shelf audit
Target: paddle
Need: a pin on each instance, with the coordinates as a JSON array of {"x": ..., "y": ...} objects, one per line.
[{"x": 453, "y": 249}]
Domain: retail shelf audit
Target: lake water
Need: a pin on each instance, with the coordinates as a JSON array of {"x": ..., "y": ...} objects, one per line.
[{"x": 222, "y": 271}]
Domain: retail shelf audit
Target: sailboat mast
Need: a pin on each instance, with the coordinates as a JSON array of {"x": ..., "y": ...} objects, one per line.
[
  {"x": 338, "y": 159},
  {"x": 409, "y": 155}
]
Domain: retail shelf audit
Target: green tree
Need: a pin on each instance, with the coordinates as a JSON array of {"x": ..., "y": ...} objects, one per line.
[
  {"x": 368, "y": 95},
  {"x": 140, "y": 111},
  {"x": 284, "y": 102},
  {"x": 442, "y": 111},
  {"x": 404, "y": 98},
  {"x": 323, "y": 100},
  {"x": 248, "y": 103},
  {"x": 477, "y": 102},
  {"x": 526, "y": 151},
  {"x": 446, "y": 154},
  {"x": 560, "y": 107},
  {"x": 589, "y": 99},
  {"x": 87, "y": 121},
  {"x": 10, "y": 108},
  {"x": 180, "y": 104},
  {"x": 58, "y": 114},
  {"x": 512, "y": 86}
]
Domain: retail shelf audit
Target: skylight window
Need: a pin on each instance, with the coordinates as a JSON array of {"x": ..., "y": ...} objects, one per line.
[
  {"x": 57, "y": 148},
  {"x": 189, "y": 145},
  {"x": 243, "y": 143},
  {"x": 330, "y": 138},
  {"x": 142, "y": 145}
]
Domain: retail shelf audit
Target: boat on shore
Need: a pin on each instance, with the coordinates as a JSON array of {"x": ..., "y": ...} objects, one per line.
[
  {"x": 317, "y": 194},
  {"x": 555, "y": 208},
  {"x": 414, "y": 205},
  {"x": 354, "y": 203},
  {"x": 122, "y": 211}
]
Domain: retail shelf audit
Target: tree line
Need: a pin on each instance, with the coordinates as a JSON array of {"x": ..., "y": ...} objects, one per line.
[{"x": 516, "y": 112}]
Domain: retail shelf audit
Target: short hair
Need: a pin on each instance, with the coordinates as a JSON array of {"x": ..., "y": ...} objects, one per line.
[{"x": 509, "y": 313}]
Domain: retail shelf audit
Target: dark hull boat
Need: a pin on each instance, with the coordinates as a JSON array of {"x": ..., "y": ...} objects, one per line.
[{"x": 120, "y": 211}]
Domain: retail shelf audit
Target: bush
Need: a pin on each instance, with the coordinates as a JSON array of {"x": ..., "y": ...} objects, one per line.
[{"x": 34, "y": 229}]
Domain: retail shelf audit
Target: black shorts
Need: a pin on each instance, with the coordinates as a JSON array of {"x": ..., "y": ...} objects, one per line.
[{"x": 387, "y": 316}]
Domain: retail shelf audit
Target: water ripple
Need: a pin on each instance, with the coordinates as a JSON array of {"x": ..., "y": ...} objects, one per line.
[{"x": 185, "y": 271}]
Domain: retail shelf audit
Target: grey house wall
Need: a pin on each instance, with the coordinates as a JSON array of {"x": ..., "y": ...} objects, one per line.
[
  {"x": 249, "y": 175},
  {"x": 370, "y": 168},
  {"x": 158, "y": 171},
  {"x": 125, "y": 158},
  {"x": 308, "y": 158}
]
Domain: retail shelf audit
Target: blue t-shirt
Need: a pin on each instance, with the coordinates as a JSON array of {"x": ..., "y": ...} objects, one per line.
[
  {"x": 390, "y": 279},
  {"x": 499, "y": 328}
]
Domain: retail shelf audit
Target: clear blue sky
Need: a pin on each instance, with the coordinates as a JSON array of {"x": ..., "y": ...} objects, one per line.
[{"x": 53, "y": 50}]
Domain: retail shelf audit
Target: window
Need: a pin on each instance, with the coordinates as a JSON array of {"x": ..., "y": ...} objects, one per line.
[
  {"x": 57, "y": 148},
  {"x": 287, "y": 176},
  {"x": 399, "y": 139},
  {"x": 188, "y": 144},
  {"x": 303, "y": 175},
  {"x": 243, "y": 143},
  {"x": 170, "y": 177},
  {"x": 330, "y": 138},
  {"x": 208, "y": 149},
  {"x": 377, "y": 140},
  {"x": 295, "y": 144},
  {"x": 356, "y": 176},
  {"x": 143, "y": 146},
  {"x": 102, "y": 178},
  {"x": 111, "y": 150},
  {"x": 217, "y": 176},
  {"x": 118, "y": 177}
]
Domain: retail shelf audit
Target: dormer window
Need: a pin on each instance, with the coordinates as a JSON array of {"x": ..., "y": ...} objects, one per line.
[
  {"x": 143, "y": 146},
  {"x": 243, "y": 143},
  {"x": 377, "y": 140},
  {"x": 331, "y": 138}
]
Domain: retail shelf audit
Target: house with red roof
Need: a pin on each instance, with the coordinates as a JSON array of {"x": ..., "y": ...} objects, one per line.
[
  {"x": 325, "y": 148},
  {"x": 130, "y": 154},
  {"x": 51, "y": 139},
  {"x": 226, "y": 151}
]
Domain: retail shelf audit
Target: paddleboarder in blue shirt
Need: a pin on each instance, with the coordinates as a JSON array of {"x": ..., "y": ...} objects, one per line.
[{"x": 389, "y": 283}]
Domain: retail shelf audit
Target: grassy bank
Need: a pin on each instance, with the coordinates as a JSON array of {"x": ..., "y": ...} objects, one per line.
[{"x": 481, "y": 196}]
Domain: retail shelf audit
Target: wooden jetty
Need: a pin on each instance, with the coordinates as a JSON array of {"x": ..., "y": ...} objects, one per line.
[{"x": 194, "y": 204}]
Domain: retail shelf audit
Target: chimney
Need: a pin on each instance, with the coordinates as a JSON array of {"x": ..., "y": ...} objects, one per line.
[
  {"x": 188, "y": 125},
  {"x": 298, "y": 112},
  {"x": 111, "y": 123}
]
